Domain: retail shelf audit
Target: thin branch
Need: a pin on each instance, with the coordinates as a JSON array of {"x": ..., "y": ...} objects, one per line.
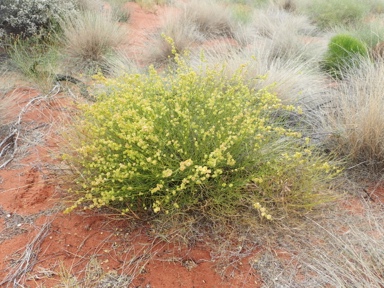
[
  {"x": 28, "y": 259},
  {"x": 10, "y": 142}
]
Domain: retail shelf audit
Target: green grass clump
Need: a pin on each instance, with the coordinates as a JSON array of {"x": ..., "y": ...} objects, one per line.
[
  {"x": 36, "y": 58},
  {"x": 148, "y": 4},
  {"x": 370, "y": 33},
  {"x": 343, "y": 52},
  {"x": 241, "y": 13},
  {"x": 189, "y": 142},
  {"x": 330, "y": 13}
]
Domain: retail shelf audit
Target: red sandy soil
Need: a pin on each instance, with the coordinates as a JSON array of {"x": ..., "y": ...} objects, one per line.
[{"x": 33, "y": 227}]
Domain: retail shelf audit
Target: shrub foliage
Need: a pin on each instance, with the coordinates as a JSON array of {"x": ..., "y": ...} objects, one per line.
[
  {"x": 191, "y": 142},
  {"x": 29, "y": 17}
]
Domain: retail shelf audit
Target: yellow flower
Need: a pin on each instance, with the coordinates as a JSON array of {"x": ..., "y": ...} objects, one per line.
[
  {"x": 167, "y": 173},
  {"x": 230, "y": 160},
  {"x": 257, "y": 205},
  {"x": 185, "y": 164},
  {"x": 157, "y": 188}
]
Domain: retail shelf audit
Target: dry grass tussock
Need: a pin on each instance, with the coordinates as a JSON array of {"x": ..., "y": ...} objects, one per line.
[
  {"x": 211, "y": 18},
  {"x": 89, "y": 36},
  {"x": 93, "y": 276},
  {"x": 357, "y": 119},
  {"x": 288, "y": 5},
  {"x": 335, "y": 249},
  {"x": 3, "y": 90},
  {"x": 120, "y": 63},
  {"x": 8, "y": 80},
  {"x": 90, "y": 5},
  {"x": 183, "y": 35},
  {"x": 194, "y": 23},
  {"x": 271, "y": 20},
  {"x": 294, "y": 81},
  {"x": 285, "y": 33}
]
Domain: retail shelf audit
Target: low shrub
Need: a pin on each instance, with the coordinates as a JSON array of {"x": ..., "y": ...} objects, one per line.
[
  {"x": 188, "y": 142},
  {"x": 29, "y": 17},
  {"x": 344, "y": 51}
]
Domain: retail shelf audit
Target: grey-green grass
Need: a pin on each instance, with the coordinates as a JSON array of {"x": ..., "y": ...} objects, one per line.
[
  {"x": 119, "y": 10},
  {"x": 197, "y": 22},
  {"x": 37, "y": 59},
  {"x": 337, "y": 248},
  {"x": 371, "y": 33},
  {"x": 331, "y": 13},
  {"x": 355, "y": 119},
  {"x": 211, "y": 18},
  {"x": 87, "y": 37},
  {"x": 282, "y": 32},
  {"x": 183, "y": 34}
]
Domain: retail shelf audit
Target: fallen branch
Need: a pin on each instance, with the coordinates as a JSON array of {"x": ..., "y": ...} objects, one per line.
[
  {"x": 28, "y": 259},
  {"x": 9, "y": 145}
]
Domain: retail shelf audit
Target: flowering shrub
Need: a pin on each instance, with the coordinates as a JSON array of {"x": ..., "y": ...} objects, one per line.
[
  {"x": 188, "y": 141},
  {"x": 28, "y": 17}
]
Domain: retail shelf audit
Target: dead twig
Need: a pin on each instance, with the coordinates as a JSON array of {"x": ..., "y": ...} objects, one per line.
[
  {"x": 10, "y": 143},
  {"x": 28, "y": 259}
]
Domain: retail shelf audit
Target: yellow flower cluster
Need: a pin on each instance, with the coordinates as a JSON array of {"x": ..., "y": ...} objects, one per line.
[
  {"x": 262, "y": 210},
  {"x": 185, "y": 164}
]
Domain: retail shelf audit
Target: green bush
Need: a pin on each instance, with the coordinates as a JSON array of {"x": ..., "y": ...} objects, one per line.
[
  {"x": 191, "y": 142},
  {"x": 343, "y": 52}
]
